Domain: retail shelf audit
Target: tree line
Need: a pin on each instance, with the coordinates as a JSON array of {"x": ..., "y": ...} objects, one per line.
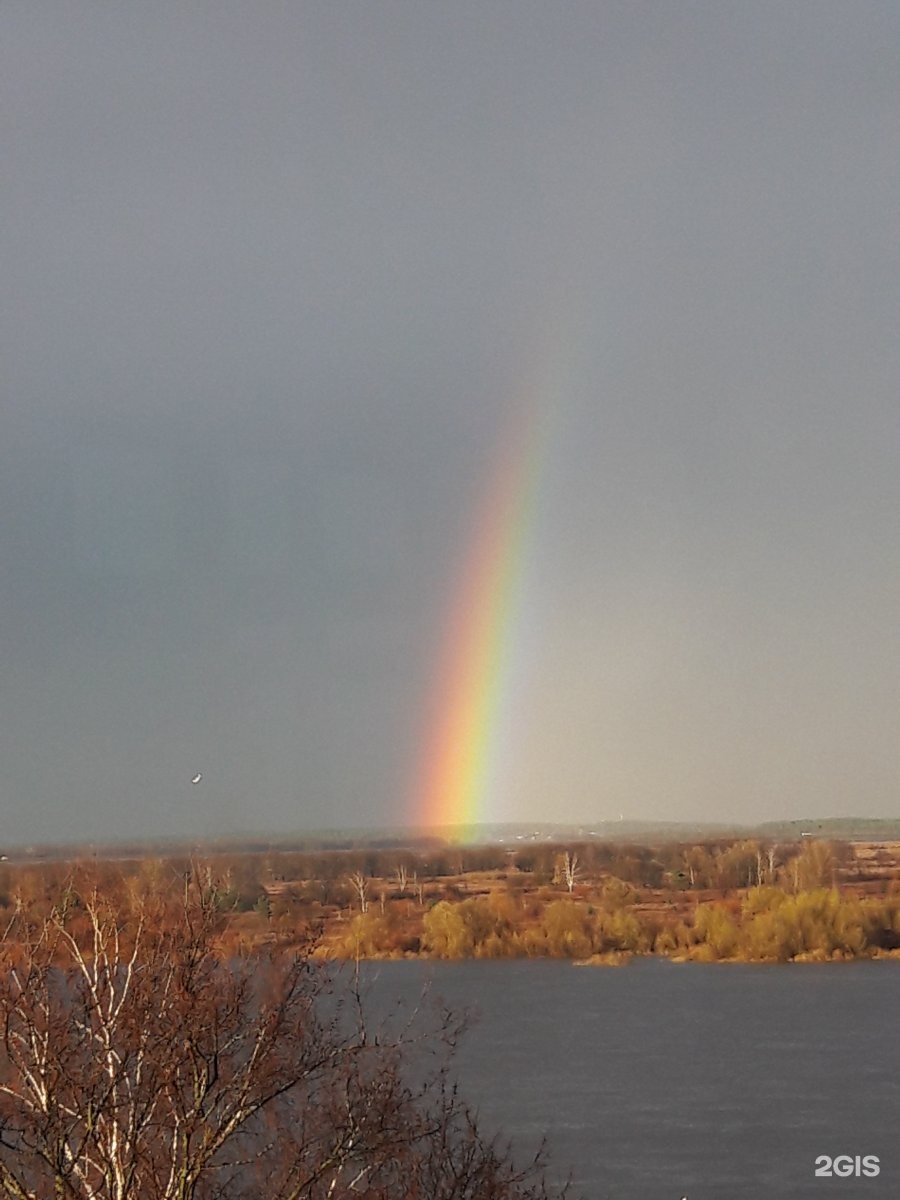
[
  {"x": 746, "y": 899},
  {"x": 767, "y": 925}
]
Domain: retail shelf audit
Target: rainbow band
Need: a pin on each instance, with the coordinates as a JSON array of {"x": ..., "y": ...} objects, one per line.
[{"x": 455, "y": 772}]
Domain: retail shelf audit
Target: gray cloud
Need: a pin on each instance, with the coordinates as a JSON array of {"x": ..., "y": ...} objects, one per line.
[{"x": 276, "y": 280}]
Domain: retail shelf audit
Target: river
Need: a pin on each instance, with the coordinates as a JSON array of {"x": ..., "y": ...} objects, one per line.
[{"x": 660, "y": 1080}]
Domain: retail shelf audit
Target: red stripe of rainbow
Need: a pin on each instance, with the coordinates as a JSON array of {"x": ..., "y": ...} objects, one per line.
[{"x": 454, "y": 771}]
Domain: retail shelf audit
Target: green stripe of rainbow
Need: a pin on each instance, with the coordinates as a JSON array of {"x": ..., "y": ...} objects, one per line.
[{"x": 454, "y": 773}]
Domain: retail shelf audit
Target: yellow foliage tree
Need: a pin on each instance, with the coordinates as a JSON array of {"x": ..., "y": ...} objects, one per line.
[
  {"x": 566, "y": 929},
  {"x": 480, "y": 928},
  {"x": 716, "y": 928}
]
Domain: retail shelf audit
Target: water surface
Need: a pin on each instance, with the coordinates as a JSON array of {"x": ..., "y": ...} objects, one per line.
[{"x": 660, "y": 1080}]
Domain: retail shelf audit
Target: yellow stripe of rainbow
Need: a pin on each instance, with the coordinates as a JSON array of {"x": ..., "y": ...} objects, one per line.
[{"x": 454, "y": 771}]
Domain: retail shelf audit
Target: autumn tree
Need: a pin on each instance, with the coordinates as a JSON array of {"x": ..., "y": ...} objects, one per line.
[
  {"x": 698, "y": 864},
  {"x": 814, "y": 866},
  {"x": 616, "y": 894},
  {"x": 140, "y": 1060},
  {"x": 481, "y": 928},
  {"x": 620, "y": 929},
  {"x": 566, "y": 929},
  {"x": 716, "y": 929},
  {"x": 738, "y": 865}
]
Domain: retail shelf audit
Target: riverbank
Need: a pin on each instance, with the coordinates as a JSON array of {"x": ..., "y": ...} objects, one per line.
[{"x": 596, "y": 904}]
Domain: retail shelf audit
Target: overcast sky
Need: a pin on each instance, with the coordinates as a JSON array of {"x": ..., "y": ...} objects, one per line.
[{"x": 273, "y": 279}]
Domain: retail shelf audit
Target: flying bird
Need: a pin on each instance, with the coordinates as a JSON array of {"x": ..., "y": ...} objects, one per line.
[{"x": 197, "y": 778}]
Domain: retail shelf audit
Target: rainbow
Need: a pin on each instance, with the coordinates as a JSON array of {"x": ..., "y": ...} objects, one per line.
[{"x": 455, "y": 775}]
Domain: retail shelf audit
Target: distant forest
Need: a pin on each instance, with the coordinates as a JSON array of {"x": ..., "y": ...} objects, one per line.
[{"x": 751, "y": 899}]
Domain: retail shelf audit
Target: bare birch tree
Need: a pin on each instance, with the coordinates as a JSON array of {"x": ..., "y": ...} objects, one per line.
[
  {"x": 361, "y": 886},
  {"x": 570, "y": 870},
  {"x": 771, "y": 855},
  {"x": 402, "y": 873},
  {"x": 140, "y": 1061}
]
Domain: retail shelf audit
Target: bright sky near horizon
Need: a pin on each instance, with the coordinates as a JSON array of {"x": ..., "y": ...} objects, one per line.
[{"x": 282, "y": 281}]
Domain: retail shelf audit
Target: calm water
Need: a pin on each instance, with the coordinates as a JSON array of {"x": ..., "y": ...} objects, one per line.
[{"x": 662, "y": 1080}]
